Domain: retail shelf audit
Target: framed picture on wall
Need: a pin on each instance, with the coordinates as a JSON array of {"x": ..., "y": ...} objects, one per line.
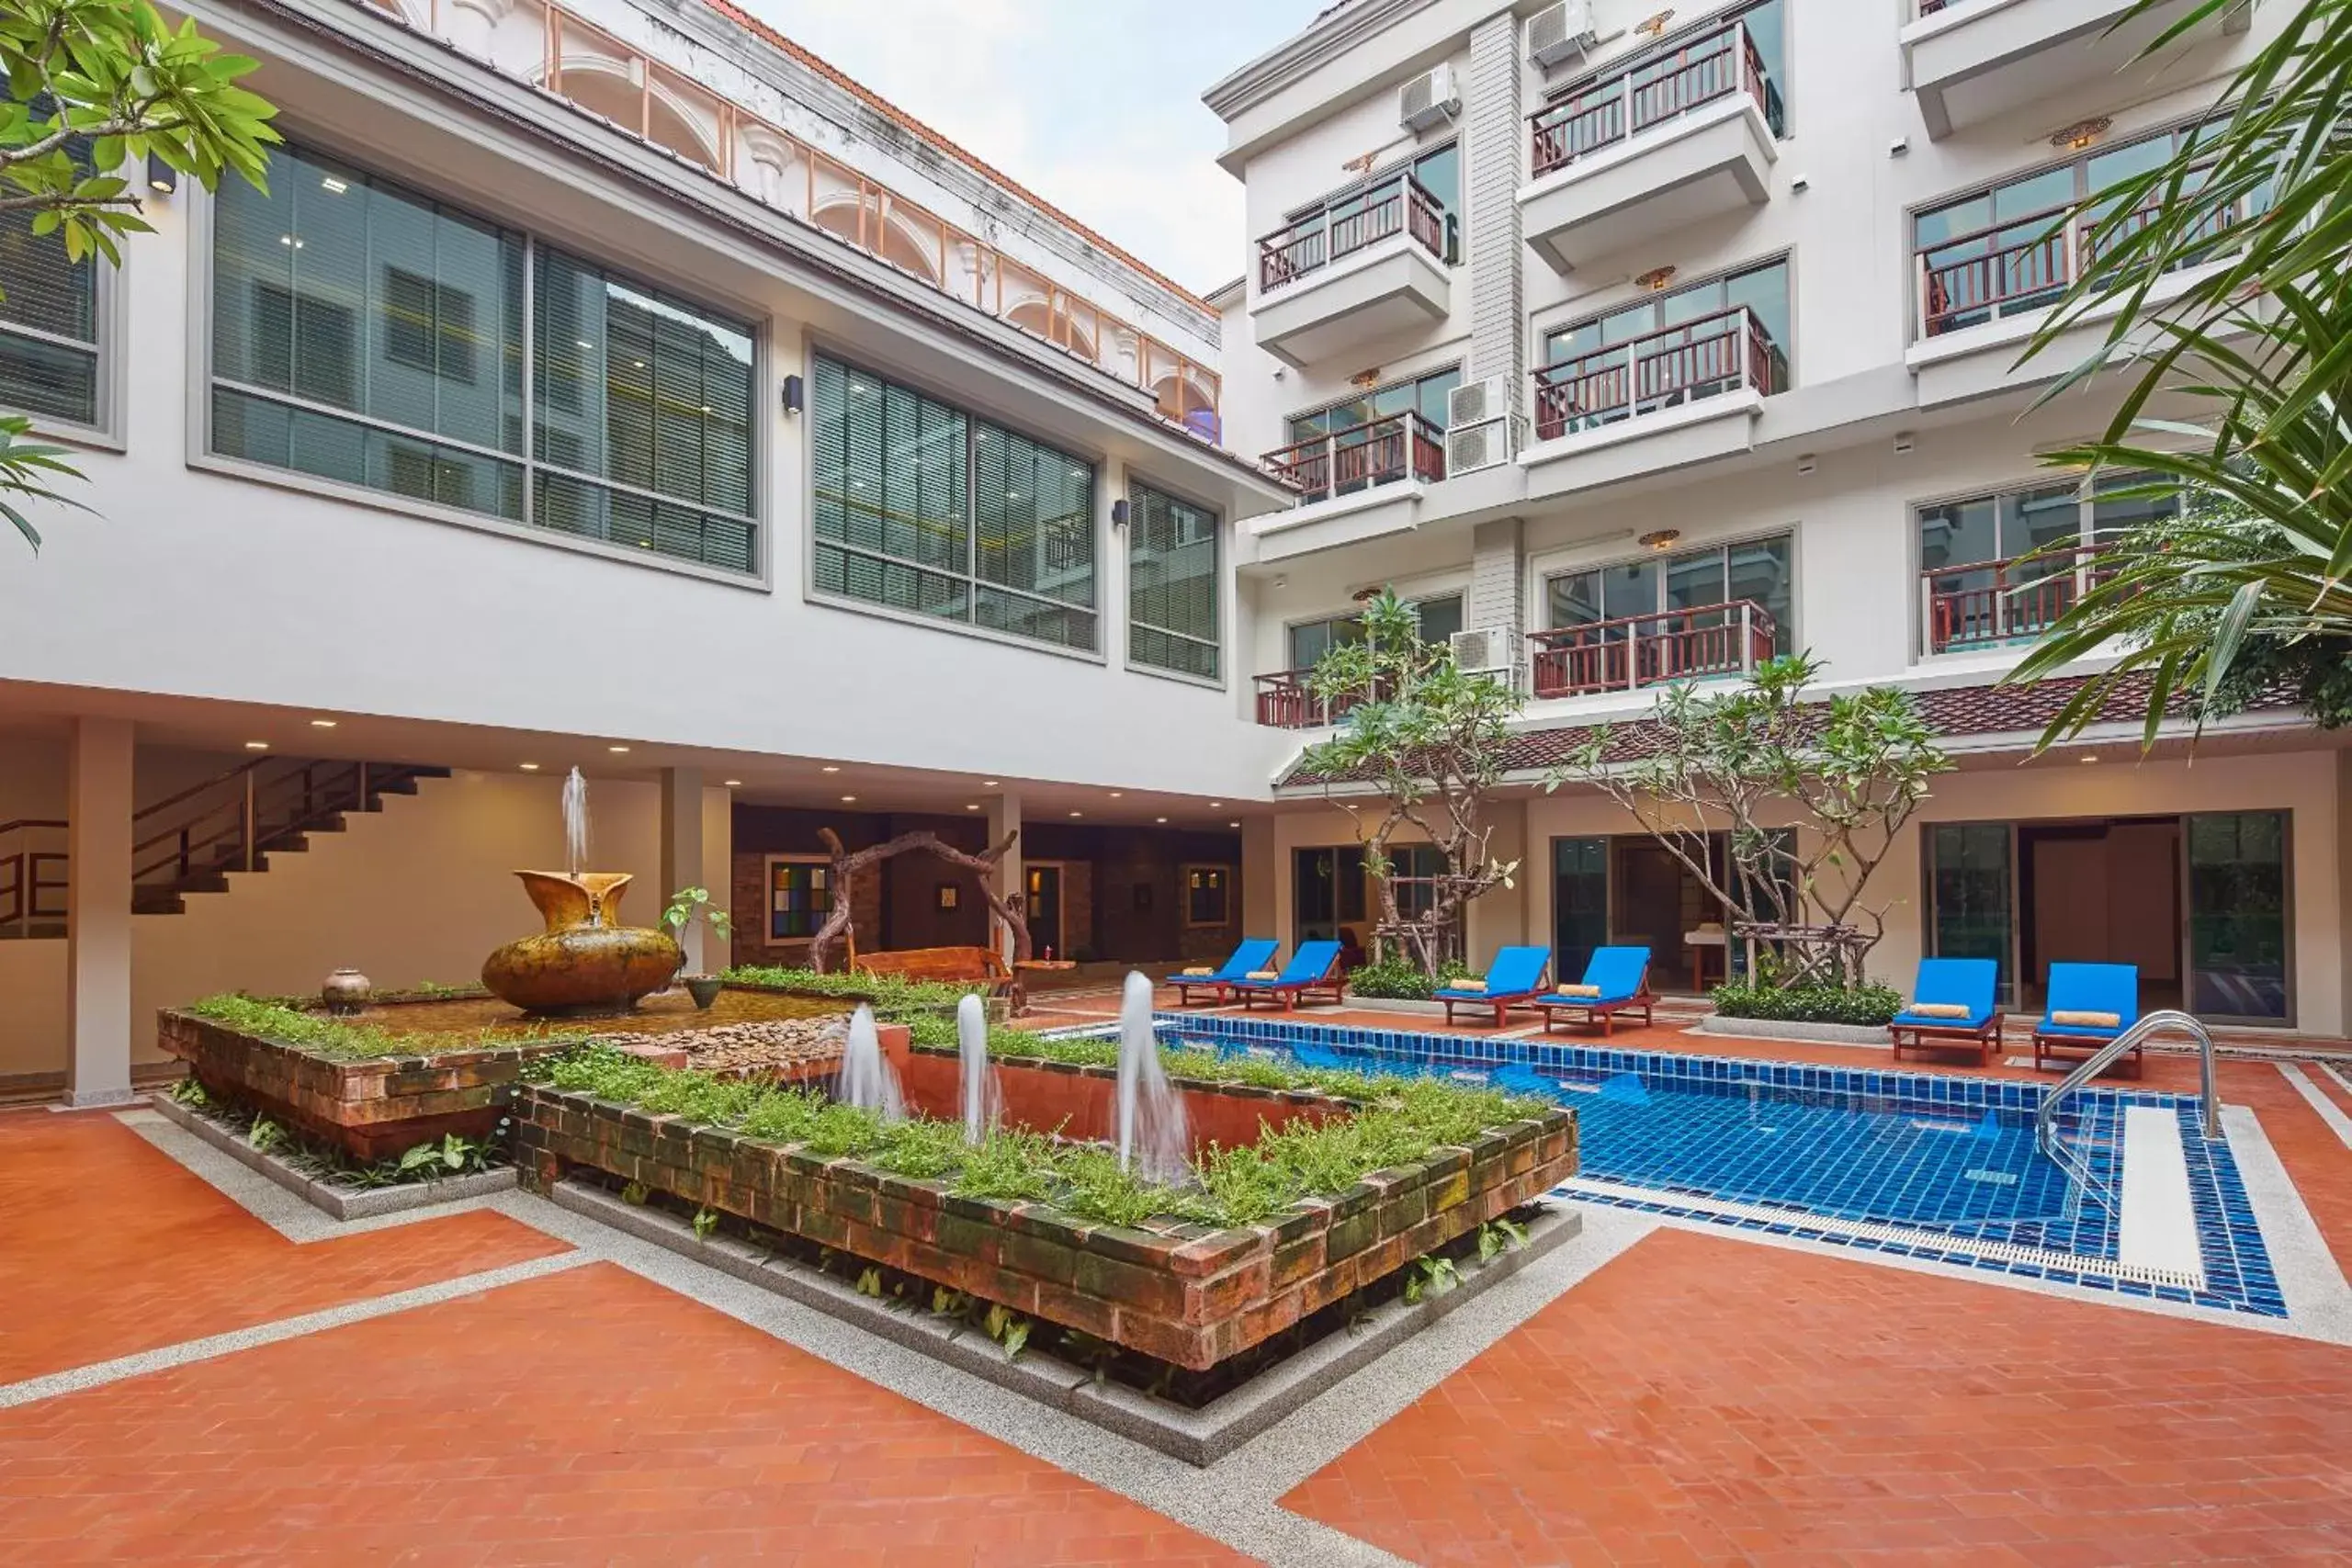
[
  {"x": 1207, "y": 892},
  {"x": 800, "y": 895},
  {"x": 951, "y": 896}
]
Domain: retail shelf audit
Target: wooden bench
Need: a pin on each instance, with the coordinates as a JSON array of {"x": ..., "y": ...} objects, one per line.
[{"x": 950, "y": 965}]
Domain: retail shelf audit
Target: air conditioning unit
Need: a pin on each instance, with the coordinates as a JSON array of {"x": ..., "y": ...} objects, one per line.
[
  {"x": 1561, "y": 34},
  {"x": 1475, "y": 402},
  {"x": 1428, "y": 100},
  {"x": 1489, "y": 443},
  {"x": 1485, "y": 650}
]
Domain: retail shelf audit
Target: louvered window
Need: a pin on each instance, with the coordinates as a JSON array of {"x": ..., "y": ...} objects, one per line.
[
  {"x": 923, "y": 508},
  {"x": 370, "y": 335},
  {"x": 49, "y": 324},
  {"x": 1172, "y": 584}
]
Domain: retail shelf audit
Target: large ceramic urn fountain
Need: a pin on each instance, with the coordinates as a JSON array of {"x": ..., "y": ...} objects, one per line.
[{"x": 587, "y": 961}]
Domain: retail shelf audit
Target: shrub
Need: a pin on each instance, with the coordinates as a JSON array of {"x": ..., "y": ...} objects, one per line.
[
  {"x": 321, "y": 1035},
  {"x": 895, "y": 999},
  {"x": 1400, "y": 979},
  {"x": 1869, "y": 1006}
]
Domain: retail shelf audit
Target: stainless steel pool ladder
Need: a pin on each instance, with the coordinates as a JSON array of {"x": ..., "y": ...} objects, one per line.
[{"x": 2106, "y": 1055}]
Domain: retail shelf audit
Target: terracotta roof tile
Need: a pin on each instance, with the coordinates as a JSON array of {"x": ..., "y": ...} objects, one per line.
[{"x": 883, "y": 106}]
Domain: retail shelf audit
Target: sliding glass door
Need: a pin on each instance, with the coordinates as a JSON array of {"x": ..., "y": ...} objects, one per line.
[
  {"x": 1970, "y": 901},
  {"x": 2239, "y": 930}
]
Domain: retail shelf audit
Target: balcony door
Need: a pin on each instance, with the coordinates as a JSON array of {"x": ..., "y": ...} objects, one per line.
[
  {"x": 2240, "y": 907},
  {"x": 1327, "y": 893}
]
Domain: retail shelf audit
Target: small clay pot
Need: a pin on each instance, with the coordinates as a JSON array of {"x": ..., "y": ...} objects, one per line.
[
  {"x": 346, "y": 990},
  {"x": 703, "y": 988}
]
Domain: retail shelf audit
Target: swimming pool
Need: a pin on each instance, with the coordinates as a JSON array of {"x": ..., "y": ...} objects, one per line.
[{"x": 1913, "y": 1163}]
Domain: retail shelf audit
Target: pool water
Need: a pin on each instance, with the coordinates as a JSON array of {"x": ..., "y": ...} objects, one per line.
[{"x": 1923, "y": 1165}]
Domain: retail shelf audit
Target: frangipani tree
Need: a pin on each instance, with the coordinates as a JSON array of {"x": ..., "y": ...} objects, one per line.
[
  {"x": 1432, "y": 739},
  {"x": 1809, "y": 796}
]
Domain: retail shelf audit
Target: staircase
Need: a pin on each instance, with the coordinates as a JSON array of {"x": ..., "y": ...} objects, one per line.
[{"x": 190, "y": 842}]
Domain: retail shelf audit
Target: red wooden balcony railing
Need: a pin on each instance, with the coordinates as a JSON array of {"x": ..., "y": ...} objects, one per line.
[
  {"x": 1344, "y": 224},
  {"x": 1632, "y": 651},
  {"x": 1403, "y": 446},
  {"x": 33, "y": 877},
  {"x": 1679, "y": 365},
  {"x": 2024, "y": 264},
  {"x": 1651, "y": 92},
  {"x": 1988, "y": 603},
  {"x": 1285, "y": 701}
]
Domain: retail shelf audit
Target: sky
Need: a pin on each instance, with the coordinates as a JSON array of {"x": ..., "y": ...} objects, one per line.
[{"x": 1095, "y": 105}]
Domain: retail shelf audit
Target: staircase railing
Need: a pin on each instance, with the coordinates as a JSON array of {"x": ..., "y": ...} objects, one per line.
[
  {"x": 28, "y": 871},
  {"x": 229, "y": 822},
  {"x": 2106, "y": 1055}
]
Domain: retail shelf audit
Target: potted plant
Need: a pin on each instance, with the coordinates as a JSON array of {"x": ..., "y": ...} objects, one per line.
[{"x": 685, "y": 905}]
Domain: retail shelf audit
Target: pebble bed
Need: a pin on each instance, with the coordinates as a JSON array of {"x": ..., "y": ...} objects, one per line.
[{"x": 763, "y": 1045}]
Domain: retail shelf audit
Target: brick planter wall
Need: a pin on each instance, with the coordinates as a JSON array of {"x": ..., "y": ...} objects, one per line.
[
  {"x": 1184, "y": 1294},
  {"x": 373, "y": 1109}
]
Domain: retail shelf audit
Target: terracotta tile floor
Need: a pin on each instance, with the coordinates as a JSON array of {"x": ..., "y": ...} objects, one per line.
[
  {"x": 585, "y": 1417},
  {"x": 108, "y": 1246},
  {"x": 1708, "y": 1399}
]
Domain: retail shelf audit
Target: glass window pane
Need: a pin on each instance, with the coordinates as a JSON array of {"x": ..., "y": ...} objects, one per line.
[
  {"x": 1760, "y": 572},
  {"x": 2040, "y": 517},
  {"x": 1432, "y": 392},
  {"x": 1440, "y": 618},
  {"x": 1579, "y": 904},
  {"x": 1630, "y": 588},
  {"x": 1968, "y": 891},
  {"x": 1766, "y": 292},
  {"x": 2035, "y": 194},
  {"x": 1694, "y": 579},
  {"x": 51, "y": 366},
  {"x": 1572, "y": 600},
  {"x": 1441, "y": 174},
  {"x": 1172, "y": 584},
  {"x": 1958, "y": 533},
  {"x": 2114, "y": 514},
  {"x": 2238, "y": 916},
  {"x": 1309, "y": 640}
]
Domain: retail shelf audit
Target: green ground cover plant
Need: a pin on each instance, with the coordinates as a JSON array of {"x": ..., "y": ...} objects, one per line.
[
  {"x": 895, "y": 999},
  {"x": 339, "y": 1039},
  {"x": 1870, "y": 1005},
  {"x": 1396, "y": 1122}
]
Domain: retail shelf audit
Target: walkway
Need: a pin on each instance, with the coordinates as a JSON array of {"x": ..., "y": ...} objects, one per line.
[{"x": 181, "y": 1381}]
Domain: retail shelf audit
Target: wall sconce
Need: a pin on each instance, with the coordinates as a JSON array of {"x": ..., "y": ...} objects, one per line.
[
  {"x": 1119, "y": 513},
  {"x": 794, "y": 394},
  {"x": 162, "y": 178}
]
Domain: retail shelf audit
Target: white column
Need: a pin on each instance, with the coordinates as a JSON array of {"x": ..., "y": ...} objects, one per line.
[
  {"x": 682, "y": 852},
  {"x": 1011, "y": 886},
  {"x": 97, "y": 918}
]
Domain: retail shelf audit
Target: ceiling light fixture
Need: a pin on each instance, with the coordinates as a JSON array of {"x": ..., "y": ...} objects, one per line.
[
  {"x": 1159, "y": 818},
  {"x": 829, "y": 768},
  {"x": 528, "y": 767},
  {"x": 617, "y": 750},
  {"x": 988, "y": 784},
  {"x": 323, "y": 724},
  {"x": 2092, "y": 757},
  {"x": 1233, "y": 824},
  {"x": 733, "y": 784},
  {"x": 974, "y": 807},
  {"x": 1077, "y": 814},
  {"x": 1659, "y": 538},
  {"x": 1118, "y": 795},
  {"x": 256, "y": 744},
  {"x": 847, "y": 798}
]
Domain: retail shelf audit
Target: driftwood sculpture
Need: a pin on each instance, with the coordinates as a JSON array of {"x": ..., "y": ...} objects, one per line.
[{"x": 848, "y": 862}]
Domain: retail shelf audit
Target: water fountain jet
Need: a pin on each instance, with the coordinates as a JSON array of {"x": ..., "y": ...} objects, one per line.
[
  {"x": 867, "y": 1080},
  {"x": 1153, "y": 1136},
  {"x": 983, "y": 1098}
]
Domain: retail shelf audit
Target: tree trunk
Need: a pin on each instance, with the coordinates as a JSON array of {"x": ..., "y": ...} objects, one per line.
[{"x": 847, "y": 863}]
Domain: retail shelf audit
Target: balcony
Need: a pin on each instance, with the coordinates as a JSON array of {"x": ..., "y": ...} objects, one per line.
[
  {"x": 1969, "y": 61},
  {"x": 1365, "y": 268},
  {"x": 1401, "y": 447},
  {"x": 1977, "y": 292},
  {"x": 1672, "y": 141},
  {"x": 1684, "y": 395},
  {"x": 1633, "y": 651},
  {"x": 1285, "y": 701},
  {"x": 1988, "y": 604}
]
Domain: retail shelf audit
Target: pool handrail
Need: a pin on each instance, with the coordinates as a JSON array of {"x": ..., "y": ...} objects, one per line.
[{"x": 2105, "y": 1056}]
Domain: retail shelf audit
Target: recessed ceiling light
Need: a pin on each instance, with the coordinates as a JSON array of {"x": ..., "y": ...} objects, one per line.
[
  {"x": 1077, "y": 814},
  {"x": 256, "y": 744},
  {"x": 829, "y": 768},
  {"x": 2093, "y": 758},
  {"x": 733, "y": 784},
  {"x": 1159, "y": 818},
  {"x": 974, "y": 807},
  {"x": 529, "y": 767},
  {"x": 323, "y": 724},
  {"x": 1233, "y": 824},
  {"x": 848, "y": 797},
  {"x": 1215, "y": 804},
  {"x": 988, "y": 784},
  {"x": 617, "y": 750},
  {"x": 333, "y": 185},
  {"x": 1118, "y": 794}
]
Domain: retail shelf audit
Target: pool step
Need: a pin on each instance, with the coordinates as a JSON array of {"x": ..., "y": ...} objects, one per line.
[{"x": 1907, "y": 1238}]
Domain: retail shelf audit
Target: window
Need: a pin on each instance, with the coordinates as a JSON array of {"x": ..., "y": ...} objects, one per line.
[
  {"x": 49, "y": 322},
  {"x": 1424, "y": 395},
  {"x": 1310, "y": 640},
  {"x": 370, "y": 335},
  {"x": 923, "y": 507},
  {"x": 800, "y": 895},
  {"x": 1207, "y": 890},
  {"x": 1758, "y": 571},
  {"x": 2006, "y": 250},
  {"x": 1979, "y": 591},
  {"x": 1667, "y": 349},
  {"x": 1172, "y": 584}
]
